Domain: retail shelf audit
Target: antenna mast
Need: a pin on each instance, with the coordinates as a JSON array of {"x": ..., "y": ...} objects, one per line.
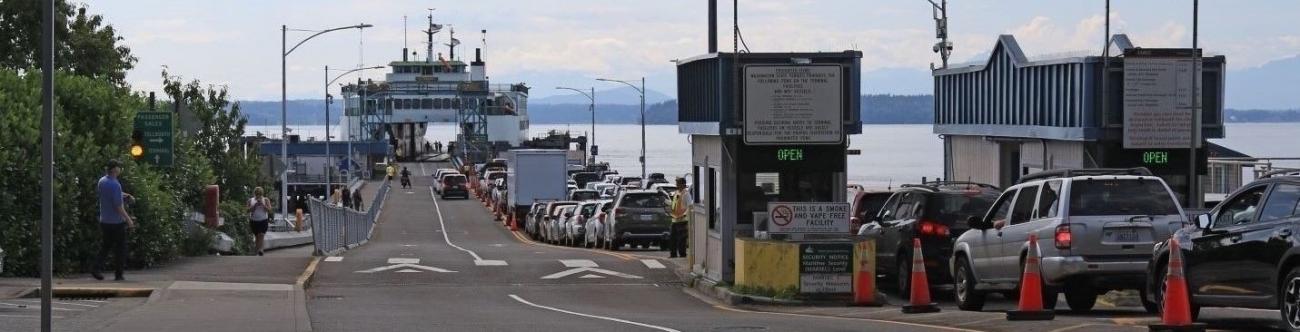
[{"x": 433, "y": 28}]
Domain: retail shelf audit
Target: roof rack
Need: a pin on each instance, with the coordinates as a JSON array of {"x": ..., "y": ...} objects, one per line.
[
  {"x": 934, "y": 185},
  {"x": 1066, "y": 173},
  {"x": 1280, "y": 172}
]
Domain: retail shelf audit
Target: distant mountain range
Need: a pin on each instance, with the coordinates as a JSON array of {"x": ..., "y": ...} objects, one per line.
[{"x": 617, "y": 96}]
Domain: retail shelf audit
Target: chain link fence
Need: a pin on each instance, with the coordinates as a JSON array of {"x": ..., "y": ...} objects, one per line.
[{"x": 335, "y": 229}]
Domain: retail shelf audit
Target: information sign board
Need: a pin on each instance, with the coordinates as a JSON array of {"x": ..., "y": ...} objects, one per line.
[
  {"x": 794, "y": 104},
  {"x": 156, "y": 130},
  {"x": 1158, "y": 100},
  {"x": 825, "y": 268}
]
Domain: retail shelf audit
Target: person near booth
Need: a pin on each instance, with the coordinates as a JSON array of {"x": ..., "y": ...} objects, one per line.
[{"x": 681, "y": 215}]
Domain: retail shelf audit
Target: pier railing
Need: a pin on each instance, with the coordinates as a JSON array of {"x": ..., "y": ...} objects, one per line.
[{"x": 335, "y": 228}]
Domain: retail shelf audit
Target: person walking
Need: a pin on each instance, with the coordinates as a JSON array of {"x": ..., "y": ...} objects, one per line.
[
  {"x": 336, "y": 197},
  {"x": 356, "y": 200},
  {"x": 347, "y": 198},
  {"x": 406, "y": 178},
  {"x": 392, "y": 171},
  {"x": 113, "y": 221},
  {"x": 681, "y": 215},
  {"x": 259, "y": 218}
]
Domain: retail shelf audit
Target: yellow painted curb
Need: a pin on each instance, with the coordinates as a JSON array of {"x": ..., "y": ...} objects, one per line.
[{"x": 305, "y": 278}]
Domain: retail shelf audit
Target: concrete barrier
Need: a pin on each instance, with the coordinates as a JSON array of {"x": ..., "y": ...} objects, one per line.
[{"x": 774, "y": 265}]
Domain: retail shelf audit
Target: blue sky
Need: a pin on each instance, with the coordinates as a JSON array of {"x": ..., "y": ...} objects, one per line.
[{"x": 552, "y": 42}]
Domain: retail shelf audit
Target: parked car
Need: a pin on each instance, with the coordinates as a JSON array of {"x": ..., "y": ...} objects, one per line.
[
  {"x": 601, "y": 188},
  {"x": 595, "y": 237},
  {"x": 584, "y": 195},
  {"x": 555, "y": 226},
  {"x": 609, "y": 192},
  {"x": 1096, "y": 230},
  {"x": 866, "y": 204},
  {"x": 489, "y": 178},
  {"x": 583, "y": 177},
  {"x": 630, "y": 181},
  {"x": 437, "y": 176},
  {"x": 935, "y": 212},
  {"x": 544, "y": 219},
  {"x": 535, "y": 213},
  {"x": 453, "y": 185},
  {"x": 655, "y": 178},
  {"x": 610, "y": 177},
  {"x": 640, "y": 217},
  {"x": 575, "y": 230},
  {"x": 665, "y": 188},
  {"x": 1242, "y": 253}
]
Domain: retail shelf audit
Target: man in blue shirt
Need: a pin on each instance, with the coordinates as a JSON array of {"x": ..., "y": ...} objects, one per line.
[{"x": 113, "y": 220}]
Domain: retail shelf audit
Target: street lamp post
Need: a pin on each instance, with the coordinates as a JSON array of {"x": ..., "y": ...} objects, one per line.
[
  {"x": 640, "y": 90},
  {"x": 329, "y": 161},
  {"x": 592, "y": 108},
  {"x": 284, "y": 108}
]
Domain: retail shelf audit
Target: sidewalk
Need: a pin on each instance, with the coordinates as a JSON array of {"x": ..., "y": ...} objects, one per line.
[{"x": 211, "y": 293}]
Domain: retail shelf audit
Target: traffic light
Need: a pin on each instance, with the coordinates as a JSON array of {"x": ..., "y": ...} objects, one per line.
[{"x": 137, "y": 144}]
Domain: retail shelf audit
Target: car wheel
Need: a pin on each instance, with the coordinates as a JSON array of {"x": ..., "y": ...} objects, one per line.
[
  {"x": 968, "y": 298},
  {"x": 615, "y": 245},
  {"x": 1290, "y": 300},
  {"x": 1080, "y": 296},
  {"x": 1151, "y": 306}
]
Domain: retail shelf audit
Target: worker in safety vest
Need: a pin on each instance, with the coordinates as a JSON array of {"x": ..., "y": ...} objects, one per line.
[
  {"x": 392, "y": 171},
  {"x": 680, "y": 210}
]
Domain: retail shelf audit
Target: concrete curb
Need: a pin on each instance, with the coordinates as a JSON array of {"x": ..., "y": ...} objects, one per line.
[
  {"x": 301, "y": 315},
  {"x": 93, "y": 292}
]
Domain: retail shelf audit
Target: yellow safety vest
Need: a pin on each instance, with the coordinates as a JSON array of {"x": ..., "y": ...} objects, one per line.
[{"x": 679, "y": 209}]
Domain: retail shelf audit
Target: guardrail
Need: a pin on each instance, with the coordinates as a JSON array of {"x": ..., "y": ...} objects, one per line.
[{"x": 335, "y": 229}]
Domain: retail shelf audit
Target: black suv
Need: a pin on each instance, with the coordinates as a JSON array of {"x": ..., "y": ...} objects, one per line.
[
  {"x": 935, "y": 212},
  {"x": 1244, "y": 253}
]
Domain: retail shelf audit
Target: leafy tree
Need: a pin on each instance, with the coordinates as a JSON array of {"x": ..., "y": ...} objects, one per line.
[
  {"x": 219, "y": 138},
  {"x": 86, "y": 46}
]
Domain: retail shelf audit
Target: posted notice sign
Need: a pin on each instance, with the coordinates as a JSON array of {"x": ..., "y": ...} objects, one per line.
[
  {"x": 808, "y": 218},
  {"x": 794, "y": 104},
  {"x": 826, "y": 268},
  {"x": 1158, "y": 101}
]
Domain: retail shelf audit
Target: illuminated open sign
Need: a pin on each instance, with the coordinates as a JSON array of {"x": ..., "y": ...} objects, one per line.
[{"x": 789, "y": 154}]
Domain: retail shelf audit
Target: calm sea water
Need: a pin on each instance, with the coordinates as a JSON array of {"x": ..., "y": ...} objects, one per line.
[{"x": 890, "y": 153}]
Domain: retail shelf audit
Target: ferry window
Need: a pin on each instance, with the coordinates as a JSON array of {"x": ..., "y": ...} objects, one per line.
[
  {"x": 440, "y": 103},
  {"x": 426, "y": 103},
  {"x": 455, "y": 103},
  {"x": 426, "y": 70},
  {"x": 399, "y": 104}
]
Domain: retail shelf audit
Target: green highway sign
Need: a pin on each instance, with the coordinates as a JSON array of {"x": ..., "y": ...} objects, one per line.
[{"x": 156, "y": 133}]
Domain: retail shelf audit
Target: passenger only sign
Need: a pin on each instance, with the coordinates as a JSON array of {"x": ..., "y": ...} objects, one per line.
[{"x": 808, "y": 217}]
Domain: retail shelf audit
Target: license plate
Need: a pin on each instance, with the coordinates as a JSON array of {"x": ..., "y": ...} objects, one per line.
[
  {"x": 1125, "y": 235},
  {"x": 647, "y": 217}
]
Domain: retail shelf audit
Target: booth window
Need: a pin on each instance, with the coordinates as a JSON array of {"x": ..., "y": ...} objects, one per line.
[{"x": 714, "y": 196}]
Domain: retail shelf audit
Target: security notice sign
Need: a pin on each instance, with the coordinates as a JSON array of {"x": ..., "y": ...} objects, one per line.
[
  {"x": 794, "y": 104},
  {"x": 825, "y": 268},
  {"x": 808, "y": 218},
  {"x": 1158, "y": 99}
]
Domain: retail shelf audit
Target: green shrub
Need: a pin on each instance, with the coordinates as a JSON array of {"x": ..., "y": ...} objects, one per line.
[
  {"x": 197, "y": 242},
  {"x": 236, "y": 226}
]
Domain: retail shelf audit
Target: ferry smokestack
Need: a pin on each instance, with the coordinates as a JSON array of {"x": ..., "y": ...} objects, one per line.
[
  {"x": 404, "y": 54},
  {"x": 478, "y": 55},
  {"x": 713, "y": 26}
]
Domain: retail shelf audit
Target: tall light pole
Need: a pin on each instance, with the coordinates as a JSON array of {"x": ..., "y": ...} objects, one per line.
[
  {"x": 329, "y": 161},
  {"x": 640, "y": 90},
  {"x": 1194, "y": 196},
  {"x": 284, "y": 108},
  {"x": 592, "y": 108},
  {"x": 47, "y": 163}
]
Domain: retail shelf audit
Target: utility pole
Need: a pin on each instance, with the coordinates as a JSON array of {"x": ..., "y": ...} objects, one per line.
[
  {"x": 1193, "y": 176},
  {"x": 47, "y": 163},
  {"x": 943, "y": 47}
]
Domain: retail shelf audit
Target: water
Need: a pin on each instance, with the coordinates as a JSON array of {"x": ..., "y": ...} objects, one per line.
[{"x": 890, "y": 153}]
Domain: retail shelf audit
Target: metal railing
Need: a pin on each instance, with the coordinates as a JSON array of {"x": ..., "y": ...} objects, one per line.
[{"x": 335, "y": 229}]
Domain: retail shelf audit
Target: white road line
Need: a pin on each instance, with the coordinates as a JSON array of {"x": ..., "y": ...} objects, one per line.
[
  {"x": 660, "y": 328},
  {"x": 25, "y": 316},
  {"x": 36, "y": 307},
  {"x": 56, "y": 302},
  {"x": 578, "y": 263},
  {"x": 422, "y": 170},
  {"x": 334, "y": 259},
  {"x": 447, "y": 238},
  {"x": 653, "y": 264}
]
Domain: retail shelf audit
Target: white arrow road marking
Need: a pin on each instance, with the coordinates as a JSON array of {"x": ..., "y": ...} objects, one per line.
[
  {"x": 578, "y": 263},
  {"x": 660, "y": 328},
  {"x": 406, "y": 265},
  {"x": 653, "y": 264},
  {"x": 334, "y": 259},
  {"x": 403, "y": 261},
  {"x": 577, "y": 270},
  {"x": 408, "y": 271},
  {"x": 591, "y": 276},
  {"x": 478, "y": 261}
]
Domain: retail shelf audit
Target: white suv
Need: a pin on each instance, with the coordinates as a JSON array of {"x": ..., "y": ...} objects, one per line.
[{"x": 1095, "y": 227}]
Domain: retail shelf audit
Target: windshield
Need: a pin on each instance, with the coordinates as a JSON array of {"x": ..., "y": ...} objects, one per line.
[
  {"x": 583, "y": 195},
  {"x": 585, "y": 177},
  {"x": 1120, "y": 197},
  {"x": 589, "y": 209},
  {"x": 644, "y": 201},
  {"x": 454, "y": 180},
  {"x": 495, "y": 176}
]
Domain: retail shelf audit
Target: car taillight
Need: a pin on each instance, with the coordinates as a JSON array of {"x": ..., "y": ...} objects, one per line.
[
  {"x": 932, "y": 228},
  {"x": 1063, "y": 237}
]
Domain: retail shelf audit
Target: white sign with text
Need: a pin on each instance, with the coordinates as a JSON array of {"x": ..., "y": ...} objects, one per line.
[
  {"x": 808, "y": 218},
  {"x": 794, "y": 104},
  {"x": 1158, "y": 102}
]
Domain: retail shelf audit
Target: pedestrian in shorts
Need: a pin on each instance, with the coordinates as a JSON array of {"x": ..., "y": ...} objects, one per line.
[{"x": 259, "y": 217}]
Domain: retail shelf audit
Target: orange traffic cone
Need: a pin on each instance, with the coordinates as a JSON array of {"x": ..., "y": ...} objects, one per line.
[
  {"x": 1176, "y": 314},
  {"x": 920, "y": 284},
  {"x": 864, "y": 287},
  {"x": 1031, "y": 289},
  {"x": 514, "y": 227}
]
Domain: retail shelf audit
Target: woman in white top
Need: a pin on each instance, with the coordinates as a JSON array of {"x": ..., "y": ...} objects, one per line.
[{"x": 259, "y": 216}]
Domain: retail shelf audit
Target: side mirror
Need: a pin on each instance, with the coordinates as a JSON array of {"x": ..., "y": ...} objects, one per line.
[{"x": 1203, "y": 221}]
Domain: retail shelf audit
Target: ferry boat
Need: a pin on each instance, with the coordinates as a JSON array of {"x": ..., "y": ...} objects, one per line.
[{"x": 437, "y": 88}]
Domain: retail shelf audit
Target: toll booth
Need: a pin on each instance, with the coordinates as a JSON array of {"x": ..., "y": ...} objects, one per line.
[{"x": 765, "y": 128}]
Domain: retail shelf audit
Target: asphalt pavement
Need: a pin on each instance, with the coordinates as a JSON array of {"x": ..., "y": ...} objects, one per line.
[{"x": 445, "y": 265}]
